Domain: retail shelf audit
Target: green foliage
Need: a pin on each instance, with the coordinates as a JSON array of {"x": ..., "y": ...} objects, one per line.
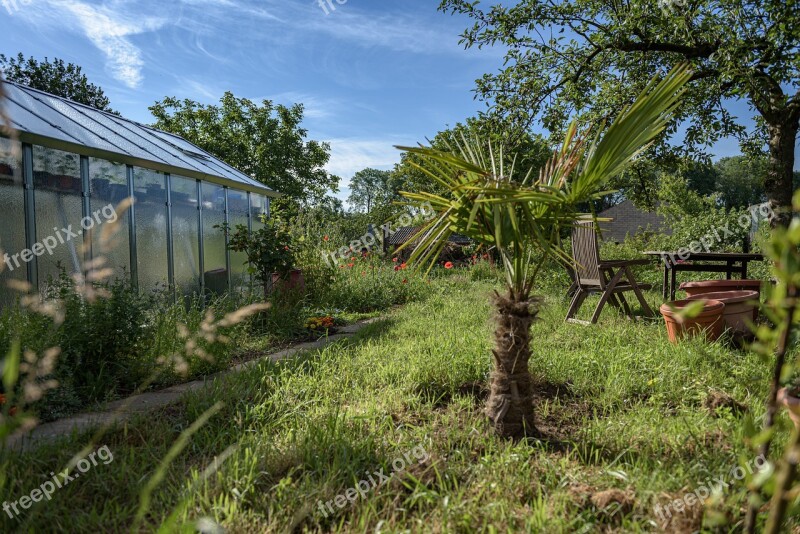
[
  {"x": 531, "y": 150},
  {"x": 595, "y": 57},
  {"x": 264, "y": 141},
  {"x": 486, "y": 203},
  {"x": 268, "y": 249},
  {"x": 371, "y": 188},
  {"x": 704, "y": 219},
  {"x": 54, "y": 77}
]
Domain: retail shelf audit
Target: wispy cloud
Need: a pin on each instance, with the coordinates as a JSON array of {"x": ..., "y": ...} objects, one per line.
[
  {"x": 350, "y": 155},
  {"x": 108, "y": 29}
]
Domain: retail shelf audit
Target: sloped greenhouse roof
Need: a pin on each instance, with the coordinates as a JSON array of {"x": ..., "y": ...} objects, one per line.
[{"x": 45, "y": 119}]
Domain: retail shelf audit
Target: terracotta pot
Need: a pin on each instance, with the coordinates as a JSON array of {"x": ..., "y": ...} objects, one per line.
[
  {"x": 709, "y": 321},
  {"x": 294, "y": 280},
  {"x": 714, "y": 286},
  {"x": 740, "y": 307},
  {"x": 792, "y": 405}
]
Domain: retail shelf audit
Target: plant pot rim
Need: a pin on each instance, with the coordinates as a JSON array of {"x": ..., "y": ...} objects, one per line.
[
  {"x": 728, "y": 297},
  {"x": 718, "y": 283},
  {"x": 710, "y": 306},
  {"x": 786, "y": 398}
]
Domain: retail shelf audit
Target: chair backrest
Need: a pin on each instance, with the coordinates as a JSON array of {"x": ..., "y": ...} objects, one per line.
[{"x": 585, "y": 252}]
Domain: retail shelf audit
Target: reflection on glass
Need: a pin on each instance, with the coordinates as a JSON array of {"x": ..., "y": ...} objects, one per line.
[
  {"x": 58, "y": 209},
  {"x": 108, "y": 183},
  {"x": 237, "y": 215},
  {"x": 12, "y": 206},
  {"x": 185, "y": 235},
  {"x": 151, "y": 228},
  {"x": 214, "y": 262}
]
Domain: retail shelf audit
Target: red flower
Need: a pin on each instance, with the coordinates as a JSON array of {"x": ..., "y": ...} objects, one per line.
[
  {"x": 325, "y": 238},
  {"x": 396, "y": 267},
  {"x": 350, "y": 265},
  {"x": 2, "y": 399},
  {"x": 286, "y": 248},
  {"x": 485, "y": 256},
  {"x": 403, "y": 265},
  {"x": 405, "y": 280},
  {"x": 394, "y": 260},
  {"x": 448, "y": 265}
]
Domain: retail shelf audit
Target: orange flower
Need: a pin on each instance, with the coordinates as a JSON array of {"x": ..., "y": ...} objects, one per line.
[
  {"x": 350, "y": 265},
  {"x": 448, "y": 265},
  {"x": 403, "y": 266},
  {"x": 325, "y": 238}
]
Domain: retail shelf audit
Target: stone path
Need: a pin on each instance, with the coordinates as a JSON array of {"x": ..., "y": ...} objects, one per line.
[{"x": 124, "y": 409}]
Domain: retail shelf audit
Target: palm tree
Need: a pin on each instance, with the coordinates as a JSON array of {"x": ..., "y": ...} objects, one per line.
[{"x": 523, "y": 220}]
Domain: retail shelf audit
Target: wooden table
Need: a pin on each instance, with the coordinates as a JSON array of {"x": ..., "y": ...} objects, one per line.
[{"x": 713, "y": 262}]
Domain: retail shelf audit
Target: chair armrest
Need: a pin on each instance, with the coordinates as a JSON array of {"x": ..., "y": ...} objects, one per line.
[{"x": 623, "y": 263}]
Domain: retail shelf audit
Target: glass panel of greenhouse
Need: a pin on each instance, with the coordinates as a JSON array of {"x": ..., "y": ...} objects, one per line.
[{"x": 83, "y": 190}]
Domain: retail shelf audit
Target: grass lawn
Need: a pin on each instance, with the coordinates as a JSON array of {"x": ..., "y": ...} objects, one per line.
[{"x": 624, "y": 415}]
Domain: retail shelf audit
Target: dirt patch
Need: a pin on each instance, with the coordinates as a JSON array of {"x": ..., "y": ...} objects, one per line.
[
  {"x": 670, "y": 521},
  {"x": 717, "y": 400}
]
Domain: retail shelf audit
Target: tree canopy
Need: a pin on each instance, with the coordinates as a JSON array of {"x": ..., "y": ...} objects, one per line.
[
  {"x": 372, "y": 187},
  {"x": 55, "y": 77},
  {"x": 594, "y": 56},
  {"x": 264, "y": 141}
]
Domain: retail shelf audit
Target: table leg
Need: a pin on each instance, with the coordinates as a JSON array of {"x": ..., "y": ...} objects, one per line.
[
  {"x": 673, "y": 284},
  {"x": 729, "y": 274},
  {"x": 665, "y": 287},
  {"x": 744, "y": 269}
]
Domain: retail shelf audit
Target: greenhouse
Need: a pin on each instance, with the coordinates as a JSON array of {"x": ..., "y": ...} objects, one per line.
[{"x": 66, "y": 171}]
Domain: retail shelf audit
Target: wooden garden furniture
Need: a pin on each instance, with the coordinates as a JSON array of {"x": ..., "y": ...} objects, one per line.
[{"x": 611, "y": 279}]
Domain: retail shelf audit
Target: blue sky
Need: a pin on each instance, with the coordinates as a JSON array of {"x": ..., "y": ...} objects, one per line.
[{"x": 372, "y": 73}]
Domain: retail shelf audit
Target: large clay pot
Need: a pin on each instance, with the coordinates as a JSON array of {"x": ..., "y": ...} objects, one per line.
[
  {"x": 293, "y": 281},
  {"x": 792, "y": 405},
  {"x": 740, "y": 308},
  {"x": 709, "y": 321},
  {"x": 714, "y": 286}
]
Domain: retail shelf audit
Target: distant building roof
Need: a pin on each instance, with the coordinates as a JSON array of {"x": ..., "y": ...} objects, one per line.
[
  {"x": 405, "y": 233},
  {"x": 630, "y": 220},
  {"x": 49, "y": 120}
]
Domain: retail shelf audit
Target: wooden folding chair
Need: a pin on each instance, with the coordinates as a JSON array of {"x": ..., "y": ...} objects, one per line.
[{"x": 609, "y": 278}]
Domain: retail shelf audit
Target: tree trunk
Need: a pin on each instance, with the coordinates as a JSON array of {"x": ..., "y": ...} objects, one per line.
[
  {"x": 780, "y": 172},
  {"x": 510, "y": 404}
]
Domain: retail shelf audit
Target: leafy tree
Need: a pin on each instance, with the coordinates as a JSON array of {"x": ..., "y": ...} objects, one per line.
[
  {"x": 54, "y": 77},
  {"x": 266, "y": 142},
  {"x": 372, "y": 187},
  {"x": 594, "y": 56},
  {"x": 740, "y": 180},
  {"x": 485, "y": 204}
]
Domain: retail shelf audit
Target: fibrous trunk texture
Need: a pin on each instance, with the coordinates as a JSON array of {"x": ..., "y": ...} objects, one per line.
[{"x": 510, "y": 404}]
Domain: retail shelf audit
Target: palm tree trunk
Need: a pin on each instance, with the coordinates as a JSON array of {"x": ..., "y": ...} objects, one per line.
[{"x": 510, "y": 404}]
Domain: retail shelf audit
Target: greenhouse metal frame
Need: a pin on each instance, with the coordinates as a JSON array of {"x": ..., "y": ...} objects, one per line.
[{"x": 68, "y": 162}]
